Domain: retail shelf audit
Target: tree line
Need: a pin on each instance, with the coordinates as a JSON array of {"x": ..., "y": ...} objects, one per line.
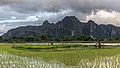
[{"x": 48, "y": 38}]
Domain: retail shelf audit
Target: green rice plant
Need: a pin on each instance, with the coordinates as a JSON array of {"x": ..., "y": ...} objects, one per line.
[
  {"x": 71, "y": 58},
  {"x": 12, "y": 61}
]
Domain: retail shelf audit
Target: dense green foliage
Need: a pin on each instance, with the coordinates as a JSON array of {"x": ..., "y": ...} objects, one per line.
[{"x": 47, "y": 38}]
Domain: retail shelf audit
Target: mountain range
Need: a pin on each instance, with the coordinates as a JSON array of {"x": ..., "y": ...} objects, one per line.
[{"x": 69, "y": 26}]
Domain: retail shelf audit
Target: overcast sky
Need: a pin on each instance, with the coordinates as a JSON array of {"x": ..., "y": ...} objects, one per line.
[{"x": 15, "y": 13}]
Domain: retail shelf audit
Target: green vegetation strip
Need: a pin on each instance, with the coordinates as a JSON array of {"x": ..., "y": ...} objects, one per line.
[
  {"x": 67, "y": 57},
  {"x": 51, "y": 48},
  {"x": 48, "y": 46}
]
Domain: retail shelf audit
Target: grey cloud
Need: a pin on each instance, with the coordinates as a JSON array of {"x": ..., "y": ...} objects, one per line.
[
  {"x": 52, "y": 10},
  {"x": 41, "y": 5},
  {"x": 56, "y": 5},
  {"x": 87, "y": 6}
]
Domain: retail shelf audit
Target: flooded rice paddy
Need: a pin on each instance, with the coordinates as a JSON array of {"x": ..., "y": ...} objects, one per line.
[{"x": 12, "y": 61}]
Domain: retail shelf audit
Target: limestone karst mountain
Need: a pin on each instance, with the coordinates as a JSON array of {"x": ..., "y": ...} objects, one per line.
[{"x": 70, "y": 25}]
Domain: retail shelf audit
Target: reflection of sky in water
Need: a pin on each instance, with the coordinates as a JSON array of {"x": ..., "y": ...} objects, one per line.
[
  {"x": 8, "y": 60},
  {"x": 13, "y": 61}
]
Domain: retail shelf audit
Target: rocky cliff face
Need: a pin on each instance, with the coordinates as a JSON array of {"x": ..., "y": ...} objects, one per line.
[{"x": 70, "y": 25}]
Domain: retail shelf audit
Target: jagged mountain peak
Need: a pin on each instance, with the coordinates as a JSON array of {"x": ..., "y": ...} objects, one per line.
[
  {"x": 46, "y": 23},
  {"x": 70, "y": 19},
  {"x": 91, "y": 22},
  {"x": 70, "y": 25}
]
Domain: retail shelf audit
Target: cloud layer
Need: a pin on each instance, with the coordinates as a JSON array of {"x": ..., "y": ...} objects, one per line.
[
  {"x": 15, "y": 13},
  {"x": 105, "y": 17}
]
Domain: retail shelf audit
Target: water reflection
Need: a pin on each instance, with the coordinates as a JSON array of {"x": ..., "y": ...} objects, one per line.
[{"x": 13, "y": 61}]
